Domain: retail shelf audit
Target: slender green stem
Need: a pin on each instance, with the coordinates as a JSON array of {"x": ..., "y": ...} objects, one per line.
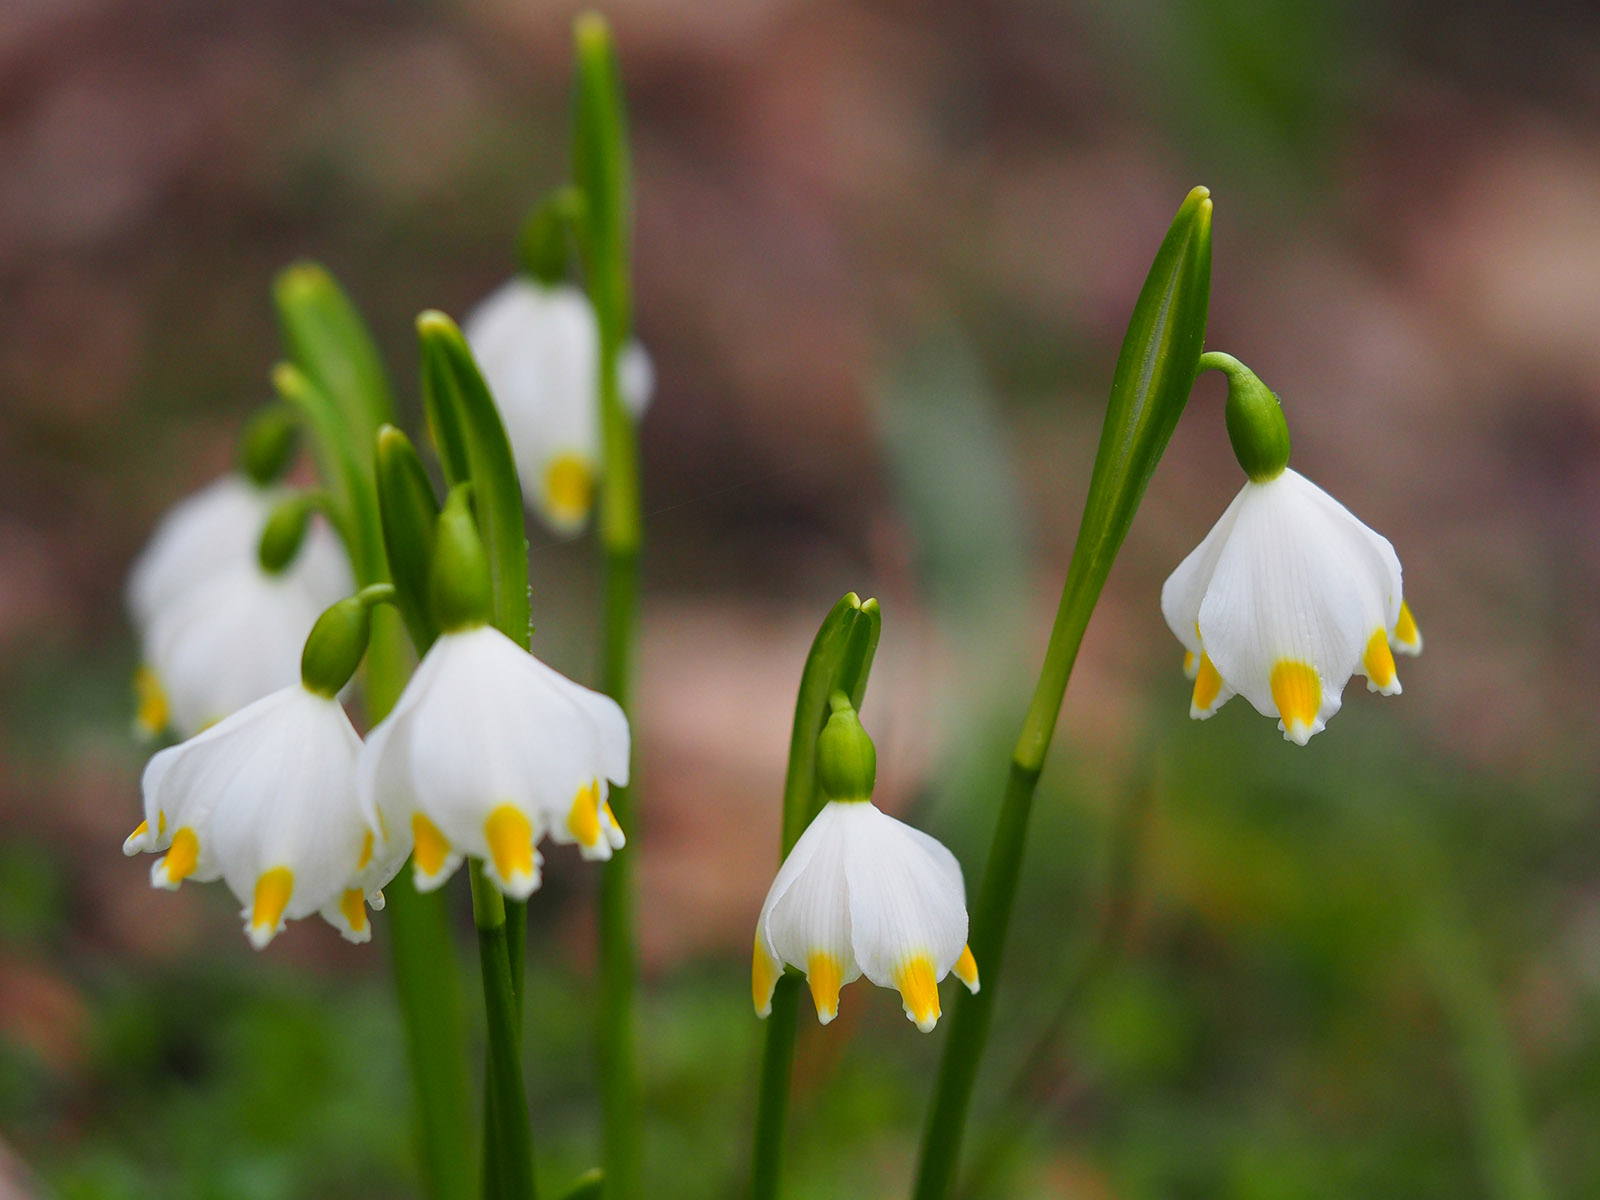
[
  {"x": 1155, "y": 371},
  {"x": 508, "y": 1170},
  {"x": 772, "y": 1102},
  {"x": 620, "y": 1098}
]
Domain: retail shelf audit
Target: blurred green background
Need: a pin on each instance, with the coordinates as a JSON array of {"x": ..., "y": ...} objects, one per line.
[{"x": 885, "y": 253}]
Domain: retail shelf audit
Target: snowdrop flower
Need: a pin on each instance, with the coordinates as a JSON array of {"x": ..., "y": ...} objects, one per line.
[
  {"x": 217, "y": 628},
  {"x": 266, "y": 801},
  {"x": 488, "y": 750},
  {"x": 862, "y": 894},
  {"x": 1289, "y": 595},
  {"x": 538, "y": 349}
]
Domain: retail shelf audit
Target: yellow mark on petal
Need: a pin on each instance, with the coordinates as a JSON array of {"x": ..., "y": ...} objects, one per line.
[
  {"x": 1188, "y": 664},
  {"x": 180, "y": 861},
  {"x": 584, "y": 819},
  {"x": 824, "y": 974},
  {"x": 763, "y": 978},
  {"x": 605, "y": 807},
  {"x": 510, "y": 837},
  {"x": 1378, "y": 661},
  {"x": 1297, "y": 691},
  {"x": 1207, "y": 684},
  {"x": 431, "y": 847},
  {"x": 161, "y": 823},
  {"x": 966, "y": 969},
  {"x": 366, "y": 852},
  {"x": 144, "y": 828},
  {"x": 273, "y": 890},
  {"x": 568, "y": 488},
  {"x": 152, "y": 712},
  {"x": 353, "y": 904},
  {"x": 919, "y": 991},
  {"x": 1406, "y": 632}
]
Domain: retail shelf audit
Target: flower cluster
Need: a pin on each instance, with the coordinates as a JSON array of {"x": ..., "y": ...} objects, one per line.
[{"x": 486, "y": 753}]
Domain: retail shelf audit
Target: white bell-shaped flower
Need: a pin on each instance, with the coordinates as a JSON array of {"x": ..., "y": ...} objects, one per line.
[
  {"x": 266, "y": 801},
  {"x": 1289, "y": 595},
  {"x": 538, "y": 349},
  {"x": 226, "y": 642},
  {"x": 486, "y": 752},
  {"x": 217, "y": 631},
  {"x": 862, "y": 894}
]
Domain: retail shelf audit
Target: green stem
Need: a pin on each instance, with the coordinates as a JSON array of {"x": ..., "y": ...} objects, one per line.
[
  {"x": 423, "y": 953},
  {"x": 1154, "y": 374},
  {"x": 508, "y": 1140},
  {"x": 620, "y": 1099},
  {"x": 772, "y": 1102}
]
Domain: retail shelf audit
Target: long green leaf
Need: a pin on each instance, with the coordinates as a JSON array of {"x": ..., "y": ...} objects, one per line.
[
  {"x": 328, "y": 340},
  {"x": 410, "y": 514}
]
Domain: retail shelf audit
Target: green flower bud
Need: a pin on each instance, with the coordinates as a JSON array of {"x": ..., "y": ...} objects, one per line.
[
  {"x": 267, "y": 444},
  {"x": 338, "y": 640},
  {"x": 1256, "y": 427},
  {"x": 285, "y": 531},
  {"x": 847, "y": 763},
  {"x": 458, "y": 580}
]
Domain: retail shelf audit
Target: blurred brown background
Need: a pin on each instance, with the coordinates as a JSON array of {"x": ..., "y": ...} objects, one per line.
[{"x": 884, "y": 256}]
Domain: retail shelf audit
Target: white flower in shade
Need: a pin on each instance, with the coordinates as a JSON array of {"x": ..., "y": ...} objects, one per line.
[
  {"x": 1289, "y": 595},
  {"x": 218, "y": 631},
  {"x": 266, "y": 801},
  {"x": 486, "y": 752},
  {"x": 538, "y": 349},
  {"x": 864, "y": 894},
  {"x": 226, "y": 642}
]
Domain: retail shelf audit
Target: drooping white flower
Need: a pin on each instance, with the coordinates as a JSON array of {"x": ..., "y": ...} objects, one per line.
[
  {"x": 217, "y": 631},
  {"x": 228, "y": 641},
  {"x": 266, "y": 801},
  {"x": 864, "y": 894},
  {"x": 1286, "y": 598},
  {"x": 486, "y": 752},
  {"x": 538, "y": 349}
]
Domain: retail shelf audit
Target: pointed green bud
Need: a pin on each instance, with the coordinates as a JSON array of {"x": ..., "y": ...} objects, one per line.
[
  {"x": 338, "y": 640},
  {"x": 267, "y": 444},
  {"x": 285, "y": 532},
  {"x": 847, "y": 762},
  {"x": 543, "y": 244},
  {"x": 1256, "y": 427},
  {"x": 458, "y": 579}
]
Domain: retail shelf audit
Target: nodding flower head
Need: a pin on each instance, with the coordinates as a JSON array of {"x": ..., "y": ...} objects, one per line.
[
  {"x": 266, "y": 801},
  {"x": 862, "y": 894},
  {"x": 1289, "y": 595},
  {"x": 216, "y": 629},
  {"x": 537, "y": 346},
  {"x": 486, "y": 752}
]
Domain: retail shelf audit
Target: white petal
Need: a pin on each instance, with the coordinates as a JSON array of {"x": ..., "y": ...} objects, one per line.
[
  {"x": 636, "y": 378},
  {"x": 809, "y": 923},
  {"x": 1186, "y": 587},
  {"x": 210, "y": 531}
]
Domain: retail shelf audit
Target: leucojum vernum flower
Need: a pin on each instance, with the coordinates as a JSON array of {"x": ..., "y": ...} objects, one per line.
[
  {"x": 1289, "y": 595},
  {"x": 862, "y": 894},
  {"x": 538, "y": 345}
]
